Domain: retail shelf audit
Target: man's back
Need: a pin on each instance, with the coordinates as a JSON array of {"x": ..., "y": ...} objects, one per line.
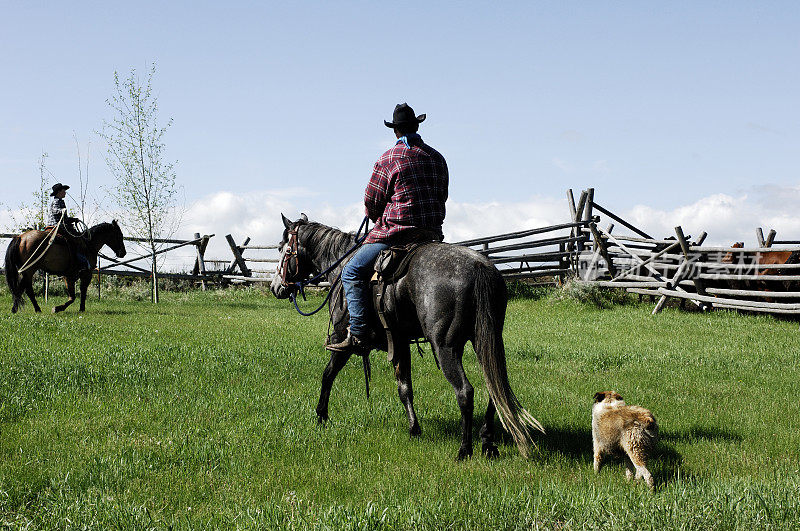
[{"x": 408, "y": 190}]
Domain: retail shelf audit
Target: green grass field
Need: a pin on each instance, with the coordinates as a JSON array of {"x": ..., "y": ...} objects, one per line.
[{"x": 198, "y": 413}]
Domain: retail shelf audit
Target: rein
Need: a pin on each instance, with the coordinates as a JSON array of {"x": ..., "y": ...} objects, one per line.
[
  {"x": 30, "y": 262},
  {"x": 298, "y": 287}
]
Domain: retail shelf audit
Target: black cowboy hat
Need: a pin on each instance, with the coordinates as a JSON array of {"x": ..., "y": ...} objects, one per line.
[
  {"x": 403, "y": 114},
  {"x": 57, "y": 188}
]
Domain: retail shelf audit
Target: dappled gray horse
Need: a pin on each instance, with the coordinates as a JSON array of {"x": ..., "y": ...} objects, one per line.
[{"x": 450, "y": 295}]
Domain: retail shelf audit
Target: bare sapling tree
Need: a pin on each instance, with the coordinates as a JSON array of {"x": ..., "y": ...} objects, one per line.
[
  {"x": 83, "y": 180},
  {"x": 34, "y": 215},
  {"x": 145, "y": 183}
]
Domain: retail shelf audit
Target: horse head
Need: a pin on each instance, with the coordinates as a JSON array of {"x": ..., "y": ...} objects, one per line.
[
  {"x": 293, "y": 265},
  {"x": 109, "y": 234}
]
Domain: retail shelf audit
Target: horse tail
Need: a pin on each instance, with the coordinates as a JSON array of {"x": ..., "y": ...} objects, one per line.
[
  {"x": 12, "y": 271},
  {"x": 491, "y": 297}
]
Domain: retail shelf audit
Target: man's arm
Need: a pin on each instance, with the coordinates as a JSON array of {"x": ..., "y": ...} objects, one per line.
[{"x": 377, "y": 193}]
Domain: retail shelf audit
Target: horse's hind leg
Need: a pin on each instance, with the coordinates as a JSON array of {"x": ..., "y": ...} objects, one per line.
[
  {"x": 402, "y": 372},
  {"x": 27, "y": 282},
  {"x": 337, "y": 362},
  {"x": 70, "y": 283},
  {"x": 450, "y": 361},
  {"x": 488, "y": 448}
]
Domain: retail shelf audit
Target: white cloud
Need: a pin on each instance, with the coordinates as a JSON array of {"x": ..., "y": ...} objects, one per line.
[
  {"x": 562, "y": 165},
  {"x": 728, "y": 218},
  {"x": 601, "y": 166},
  {"x": 472, "y": 220}
]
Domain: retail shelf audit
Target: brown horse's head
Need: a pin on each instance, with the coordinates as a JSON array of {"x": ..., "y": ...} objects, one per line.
[{"x": 109, "y": 234}]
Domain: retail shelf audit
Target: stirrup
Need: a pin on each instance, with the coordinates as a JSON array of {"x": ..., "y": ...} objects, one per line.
[{"x": 350, "y": 344}]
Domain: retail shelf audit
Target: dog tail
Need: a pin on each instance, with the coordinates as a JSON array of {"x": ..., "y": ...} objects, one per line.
[
  {"x": 490, "y": 307},
  {"x": 649, "y": 426}
]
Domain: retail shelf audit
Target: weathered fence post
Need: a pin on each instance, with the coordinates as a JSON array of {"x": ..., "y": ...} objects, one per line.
[
  {"x": 200, "y": 263},
  {"x": 770, "y": 237},
  {"x": 237, "y": 255},
  {"x": 601, "y": 246},
  {"x": 698, "y": 283},
  {"x": 765, "y": 242},
  {"x": 760, "y": 237},
  {"x": 587, "y": 213}
]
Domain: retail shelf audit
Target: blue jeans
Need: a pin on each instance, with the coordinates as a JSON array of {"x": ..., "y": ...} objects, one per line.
[{"x": 355, "y": 279}]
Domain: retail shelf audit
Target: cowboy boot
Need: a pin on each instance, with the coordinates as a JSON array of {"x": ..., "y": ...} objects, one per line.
[{"x": 351, "y": 343}]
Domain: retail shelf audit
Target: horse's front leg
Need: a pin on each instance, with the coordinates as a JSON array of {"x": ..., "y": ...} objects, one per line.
[
  {"x": 70, "y": 283},
  {"x": 337, "y": 362},
  {"x": 27, "y": 282},
  {"x": 402, "y": 372},
  {"x": 86, "y": 279}
]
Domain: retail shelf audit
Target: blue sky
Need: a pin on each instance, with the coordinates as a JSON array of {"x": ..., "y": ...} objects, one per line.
[{"x": 654, "y": 104}]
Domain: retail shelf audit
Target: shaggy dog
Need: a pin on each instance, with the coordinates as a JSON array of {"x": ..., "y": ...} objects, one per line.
[{"x": 617, "y": 429}]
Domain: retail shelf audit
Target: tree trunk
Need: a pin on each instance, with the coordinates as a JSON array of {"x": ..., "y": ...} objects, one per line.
[{"x": 155, "y": 280}]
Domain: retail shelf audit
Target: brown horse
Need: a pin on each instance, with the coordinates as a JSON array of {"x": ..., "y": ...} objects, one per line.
[
  {"x": 757, "y": 263},
  {"x": 57, "y": 259}
]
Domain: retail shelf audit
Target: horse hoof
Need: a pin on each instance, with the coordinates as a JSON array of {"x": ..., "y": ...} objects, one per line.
[
  {"x": 490, "y": 451},
  {"x": 415, "y": 431},
  {"x": 322, "y": 418},
  {"x": 464, "y": 453}
]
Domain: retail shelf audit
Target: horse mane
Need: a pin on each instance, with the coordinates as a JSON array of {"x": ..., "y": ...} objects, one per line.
[
  {"x": 326, "y": 243},
  {"x": 96, "y": 228}
]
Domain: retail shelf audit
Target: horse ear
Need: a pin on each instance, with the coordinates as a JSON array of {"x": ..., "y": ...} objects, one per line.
[
  {"x": 286, "y": 222},
  {"x": 304, "y": 217},
  {"x": 114, "y": 222}
]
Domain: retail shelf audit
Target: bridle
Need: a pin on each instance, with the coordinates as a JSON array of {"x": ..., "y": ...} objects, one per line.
[{"x": 291, "y": 251}]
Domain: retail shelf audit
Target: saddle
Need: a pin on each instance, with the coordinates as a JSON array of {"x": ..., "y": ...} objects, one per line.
[
  {"x": 391, "y": 265},
  {"x": 75, "y": 248}
]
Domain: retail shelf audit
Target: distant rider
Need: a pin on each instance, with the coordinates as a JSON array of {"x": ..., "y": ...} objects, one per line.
[
  {"x": 406, "y": 199},
  {"x": 69, "y": 227}
]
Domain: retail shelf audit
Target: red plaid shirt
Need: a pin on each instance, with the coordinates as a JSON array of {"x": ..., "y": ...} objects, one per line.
[{"x": 407, "y": 190}]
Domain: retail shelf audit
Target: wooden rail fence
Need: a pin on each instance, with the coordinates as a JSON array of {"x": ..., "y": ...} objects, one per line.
[{"x": 681, "y": 267}]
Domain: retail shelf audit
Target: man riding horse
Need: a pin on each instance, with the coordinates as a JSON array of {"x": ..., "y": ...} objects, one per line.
[
  {"x": 405, "y": 198},
  {"x": 69, "y": 227},
  {"x": 447, "y": 294}
]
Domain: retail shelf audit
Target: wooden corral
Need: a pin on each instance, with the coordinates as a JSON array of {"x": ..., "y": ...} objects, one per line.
[{"x": 756, "y": 279}]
